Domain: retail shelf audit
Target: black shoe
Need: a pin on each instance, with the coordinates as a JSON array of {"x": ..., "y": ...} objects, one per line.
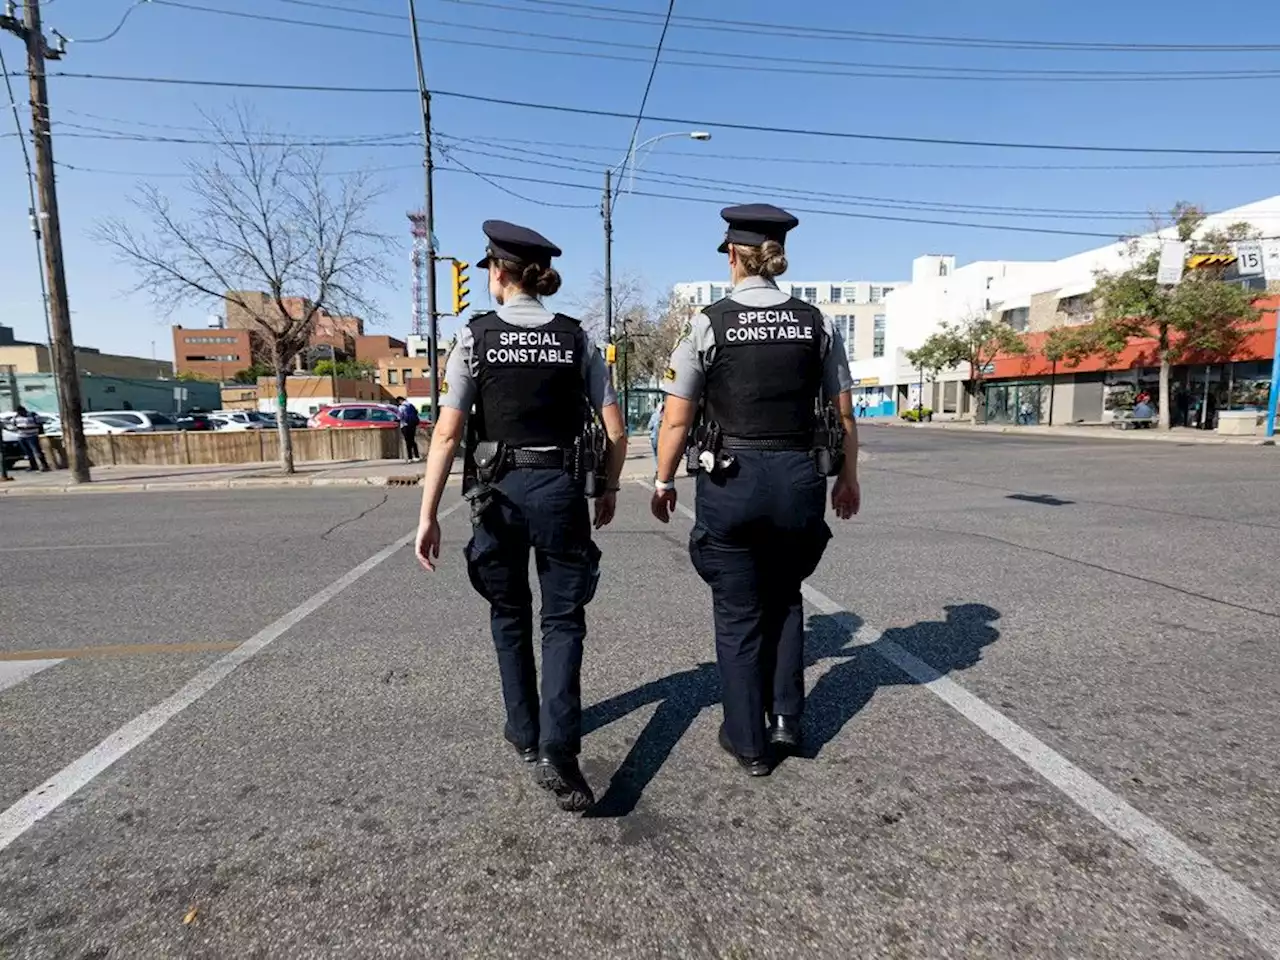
[
  {"x": 528, "y": 754},
  {"x": 565, "y": 780},
  {"x": 784, "y": 733},
  {"x": 755, "y": 766}
]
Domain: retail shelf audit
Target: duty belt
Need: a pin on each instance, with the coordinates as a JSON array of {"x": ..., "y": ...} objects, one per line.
[
  {"x": 792, "y": 443},
  {"x": 518, "y": 457}
]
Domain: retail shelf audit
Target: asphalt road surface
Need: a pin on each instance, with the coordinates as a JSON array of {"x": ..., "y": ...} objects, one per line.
[{"x": 1042, "y": 723}]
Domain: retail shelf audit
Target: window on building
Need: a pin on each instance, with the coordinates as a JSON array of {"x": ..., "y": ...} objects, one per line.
[
  {"x": 850, "y": 294},
  {"x": 393, "y": 378},
  {"x": 810, "y": 295},
  {"x": 1077, "y": 309},
  {"x": 877, "y": 336},
  {"x": 851, "y": 339},
  {"x": 717, "y": 293},
  {"x": 1019, "y": 318},
  {"x": 797, "y": 292},
  {"x": 698, "y": 296},
  {"x": 888, "y": 290},
  {"x": 836, "y": 293},
  {"x": 877, "y": 294},
  {"x": 942, "y": 269}
]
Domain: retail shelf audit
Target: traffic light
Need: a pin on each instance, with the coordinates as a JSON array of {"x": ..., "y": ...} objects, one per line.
[
  {"x": 460, "y": 288},
  {"x": 611, "y": 354}
]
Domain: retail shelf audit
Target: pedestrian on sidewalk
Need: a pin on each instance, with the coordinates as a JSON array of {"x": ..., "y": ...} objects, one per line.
[
  {"x": 655, "y": 421},
  {"x": 530, "y": 374},
  {"x": 28, "y": 428},
  {"x": 760, "y": 528},
  {"x": 407, "y": 414}
]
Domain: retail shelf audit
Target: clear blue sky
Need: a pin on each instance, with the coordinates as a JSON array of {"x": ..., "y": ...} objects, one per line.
[{"x": 660, "y": 240}]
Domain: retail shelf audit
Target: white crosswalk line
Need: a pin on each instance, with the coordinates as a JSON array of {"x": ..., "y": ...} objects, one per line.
[{"x": 13, "y": 672}]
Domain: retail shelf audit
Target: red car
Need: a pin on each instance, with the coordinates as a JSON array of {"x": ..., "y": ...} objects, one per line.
[{"x": 349, "y": 415}]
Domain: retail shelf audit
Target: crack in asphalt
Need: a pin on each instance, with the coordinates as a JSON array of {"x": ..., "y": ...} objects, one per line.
[{"x": 359, "y": 516}]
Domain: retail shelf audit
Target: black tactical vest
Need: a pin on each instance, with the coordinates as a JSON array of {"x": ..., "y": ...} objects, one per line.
[
  {"x": 532, "y": 389},
  {"x": 766, "y": 371}
]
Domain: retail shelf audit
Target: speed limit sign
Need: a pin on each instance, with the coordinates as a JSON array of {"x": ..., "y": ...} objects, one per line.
[{"x": 1249, "y": 258}]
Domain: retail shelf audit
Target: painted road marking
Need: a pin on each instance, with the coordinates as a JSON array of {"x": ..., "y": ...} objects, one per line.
[
  {"x": 80, "y": 546},
  {"x": 1232, "y": 901},
  {"x": 54, "y": 792},
  {"x": 118, "y": 650},
  {"x": 12, "y": 674}
]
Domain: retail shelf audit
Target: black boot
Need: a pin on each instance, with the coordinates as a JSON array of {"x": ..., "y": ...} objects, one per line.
[
  {"x": 563, "y": 778},
  {"x": 755, "y": 766},
  {"x": 784, "y": 734}
]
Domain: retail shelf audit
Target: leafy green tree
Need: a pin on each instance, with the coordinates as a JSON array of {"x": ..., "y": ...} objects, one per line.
[
  {"x": 252, "y": 374},
  {"x": 976, "y": 341},
  {"x": 190, "y": 376},
  {"x": 344, "y": 369},
  {"x": 1203, "y": 315}
]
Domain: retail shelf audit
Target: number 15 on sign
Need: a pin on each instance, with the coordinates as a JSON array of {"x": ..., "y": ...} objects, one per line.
[{"x": 1249, "y": 259}]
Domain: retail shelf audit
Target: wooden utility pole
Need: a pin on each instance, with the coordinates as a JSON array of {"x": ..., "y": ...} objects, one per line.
[
  {"x": 61, "y": 343},
  {"x": 428, "y": 163}
]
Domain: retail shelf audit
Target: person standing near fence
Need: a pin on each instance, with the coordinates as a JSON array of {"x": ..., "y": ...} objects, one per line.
[
  {"x": 27, "y": 426},
  {"x": 407, "y": 414}
]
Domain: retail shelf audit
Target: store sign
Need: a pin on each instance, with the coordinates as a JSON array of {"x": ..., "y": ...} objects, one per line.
[
  {"x": 1271, "y": 260},
  {"x": 867, "y": 382},
  {"x": 1173, "y": 259}
]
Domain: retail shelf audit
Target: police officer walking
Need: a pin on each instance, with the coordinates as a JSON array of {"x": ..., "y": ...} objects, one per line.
[
  {"x": 760, "y": 371},
  {"x": 534, "y": 378}
]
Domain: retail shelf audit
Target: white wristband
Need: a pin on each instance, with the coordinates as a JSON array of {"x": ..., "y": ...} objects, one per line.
[{"x": 662, "y": 486}]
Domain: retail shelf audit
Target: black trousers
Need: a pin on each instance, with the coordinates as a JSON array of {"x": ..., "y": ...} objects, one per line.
[
  {"x": 760, "y": 532},
  {"x": 410, "y": 434},
  {"x": 543, "y": 511}
]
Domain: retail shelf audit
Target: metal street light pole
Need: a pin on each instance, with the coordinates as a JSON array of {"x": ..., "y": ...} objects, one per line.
[
  {"x": 433, "y": 317},
  {"x": 606, "y": 211}
]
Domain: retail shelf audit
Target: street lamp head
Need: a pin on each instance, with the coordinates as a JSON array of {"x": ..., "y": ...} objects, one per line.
[{"x": 700, "y": 135}]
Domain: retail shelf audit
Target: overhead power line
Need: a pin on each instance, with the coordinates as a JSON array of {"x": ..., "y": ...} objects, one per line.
[
  {"x": 754, "y": 62},
  {"x": 566, "y": 8},
  {"x": 814, "y": 210},
  {"x": 714, "y": 124},
  {"x": 644, "y": 100}
]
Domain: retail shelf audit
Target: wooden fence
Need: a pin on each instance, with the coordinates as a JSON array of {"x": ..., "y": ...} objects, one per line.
[{"x": 247, "y": 446}]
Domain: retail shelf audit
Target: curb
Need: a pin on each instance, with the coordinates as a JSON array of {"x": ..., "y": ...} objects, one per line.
[{"x": 1087, "y": 434}]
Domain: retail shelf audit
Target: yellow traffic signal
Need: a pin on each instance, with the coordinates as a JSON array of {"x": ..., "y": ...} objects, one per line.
[
  {"x": 460, "y": 287},
  {"x": 611, "y": 354}
]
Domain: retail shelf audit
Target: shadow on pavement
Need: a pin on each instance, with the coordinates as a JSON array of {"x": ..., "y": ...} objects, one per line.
[{"x": 955, "y": 643}]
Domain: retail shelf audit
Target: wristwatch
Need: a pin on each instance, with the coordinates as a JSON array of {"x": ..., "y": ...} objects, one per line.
[{"x": 663, "y": 486}]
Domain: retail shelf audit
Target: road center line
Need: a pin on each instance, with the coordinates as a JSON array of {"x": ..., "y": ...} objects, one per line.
[
  {"x": 1232, "y": 901},
  {"x": 54, "y": 792}
]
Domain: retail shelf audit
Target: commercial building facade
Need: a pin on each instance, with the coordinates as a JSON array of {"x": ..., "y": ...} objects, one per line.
[
  {"x": 29, "y": 357},
  {"x": 1033, "y": 297}
]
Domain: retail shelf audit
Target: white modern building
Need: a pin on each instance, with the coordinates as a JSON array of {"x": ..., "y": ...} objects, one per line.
[
  {"x": 858, "y": 311},
  {"x": 1032, "y": 297}
]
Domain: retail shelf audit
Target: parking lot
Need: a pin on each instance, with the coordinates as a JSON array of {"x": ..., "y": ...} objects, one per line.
[{"x": 1042, "y": 722}]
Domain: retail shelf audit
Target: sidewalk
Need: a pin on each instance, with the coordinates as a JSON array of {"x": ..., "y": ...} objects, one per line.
[
  {"x": 1091, "y": 431},
  {"x": 255, "y": 476}
]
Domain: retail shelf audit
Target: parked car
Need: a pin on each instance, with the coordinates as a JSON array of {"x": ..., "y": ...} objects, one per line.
[
  {"x": 296, "y": 420},
  {"x": 146, "y": 421},
  {"x": 350, "y": 415},
  {"x": 104, "y": 424},
  {"x": 197, "y": 422},
  {"x": 240, "y": 420}
]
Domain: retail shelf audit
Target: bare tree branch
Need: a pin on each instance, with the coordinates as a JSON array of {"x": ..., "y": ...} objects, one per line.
[{"x": 267, "y": 228}]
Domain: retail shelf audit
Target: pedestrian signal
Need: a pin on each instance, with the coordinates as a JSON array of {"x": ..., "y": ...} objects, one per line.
[{"x": 611, "y": 354}]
